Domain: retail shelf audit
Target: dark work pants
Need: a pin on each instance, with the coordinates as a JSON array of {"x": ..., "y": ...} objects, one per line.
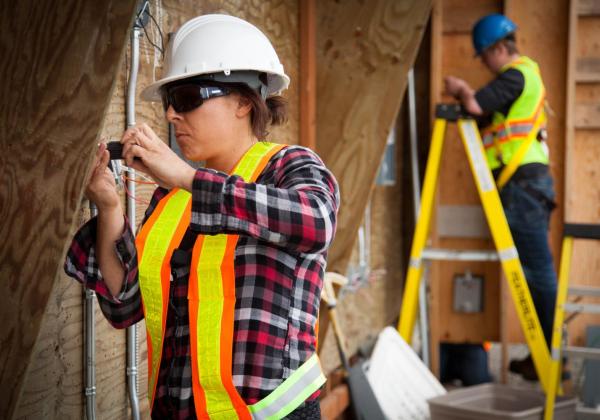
[{"x": 528, "y": 217}]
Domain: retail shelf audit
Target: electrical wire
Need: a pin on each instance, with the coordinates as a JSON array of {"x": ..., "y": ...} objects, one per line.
[
  {"x": 146, "y": 9},
  {"x": 128, "y": 193},
  {"x": 162, "y": 38}
]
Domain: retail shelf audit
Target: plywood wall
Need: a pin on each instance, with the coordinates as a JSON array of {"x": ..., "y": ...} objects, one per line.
[
  {"x": 375, "y": 304},
  {"x": 54, "y": 389},
  {"x": 57, "y": 73},
  {"x": 364, "y": 50},
  {"x": 452, "y": 42}
]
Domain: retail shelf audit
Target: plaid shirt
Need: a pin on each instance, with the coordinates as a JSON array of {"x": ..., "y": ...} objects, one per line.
[{"x": 286, "y": 221}]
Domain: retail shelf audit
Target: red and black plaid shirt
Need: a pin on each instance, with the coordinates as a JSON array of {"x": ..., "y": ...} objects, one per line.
[{"x": 286, "y": 221}]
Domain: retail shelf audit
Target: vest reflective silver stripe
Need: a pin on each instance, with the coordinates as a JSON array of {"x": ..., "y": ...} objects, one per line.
[
  {"x": 505, "y": 133},
  {"x": 291, "y": 393}
]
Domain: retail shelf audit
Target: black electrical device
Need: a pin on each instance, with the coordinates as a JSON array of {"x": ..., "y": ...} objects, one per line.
[{"x": 115, "y": 149}]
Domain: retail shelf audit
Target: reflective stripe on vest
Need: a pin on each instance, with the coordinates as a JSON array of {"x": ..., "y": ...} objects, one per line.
[
  {"x": 160, "y": 235},
  {"x": 503, "y": 138},
  {"x": 211, "y": 295}
]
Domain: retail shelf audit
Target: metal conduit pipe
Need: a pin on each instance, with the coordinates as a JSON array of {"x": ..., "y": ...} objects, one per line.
[
  {"x": 132, "y": 345},
  {"x": 90, "y": 346},
  {"x": 414, "y": 160}
]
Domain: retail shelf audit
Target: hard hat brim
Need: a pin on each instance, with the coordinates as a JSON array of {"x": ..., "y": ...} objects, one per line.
[{"x": 152, "y": 92}]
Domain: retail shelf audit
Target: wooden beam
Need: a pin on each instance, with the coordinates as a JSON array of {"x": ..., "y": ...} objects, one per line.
[
  {"x": 57, "y": 71},
  {"x": 308, "y": 74},
  {"x": 587, "y": 115},
  {"x": 335, "y": 402},
  {"x": 570, "y": 103},
  {"x": 365, "y": 50},
  {"x": 588, "y": 70},
  {"x": 587, "y": 7}
]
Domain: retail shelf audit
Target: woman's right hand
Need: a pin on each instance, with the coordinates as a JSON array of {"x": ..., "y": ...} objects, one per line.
[{"x": 101, "y": 188}]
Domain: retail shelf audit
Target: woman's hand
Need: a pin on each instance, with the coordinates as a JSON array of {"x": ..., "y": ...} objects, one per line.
[
  {"x": 101, "y": 188},
  {"x": 155, "y": 158}
]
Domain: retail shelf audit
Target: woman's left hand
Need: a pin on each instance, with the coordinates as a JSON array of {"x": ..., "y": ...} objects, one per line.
[{"x": 155, "y": 158}]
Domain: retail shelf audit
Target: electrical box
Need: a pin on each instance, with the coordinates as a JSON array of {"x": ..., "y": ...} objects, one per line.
[{"x": 468, "y": 293}]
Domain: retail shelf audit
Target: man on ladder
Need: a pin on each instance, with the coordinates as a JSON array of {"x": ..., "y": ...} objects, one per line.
[{"x": 512, "y": 106}]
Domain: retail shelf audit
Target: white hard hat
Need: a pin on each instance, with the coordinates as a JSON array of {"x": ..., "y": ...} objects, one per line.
[{"x": 222, "y": 46}]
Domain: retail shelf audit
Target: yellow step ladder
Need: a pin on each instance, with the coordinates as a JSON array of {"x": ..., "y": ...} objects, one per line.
[
  {"x": 498, "y": 225},
  {"x": 571, "y": 231}
]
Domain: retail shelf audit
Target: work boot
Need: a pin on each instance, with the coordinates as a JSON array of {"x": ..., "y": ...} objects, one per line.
[{"x": 526, "y": 369}]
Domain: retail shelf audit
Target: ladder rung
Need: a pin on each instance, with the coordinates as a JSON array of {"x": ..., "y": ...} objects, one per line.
[
  {"x": 582, "y": 230},
  {"x": 458, "y": 255},
  {"x": 584, "y": 352},
  {"x": 587, "y": 412},
  {"x": 584, "y": 291},
  {"x": 588, "y": 308}
]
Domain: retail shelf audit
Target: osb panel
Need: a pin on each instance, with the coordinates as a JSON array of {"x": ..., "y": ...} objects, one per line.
[
  {"x": 62, "y": 59},
  {"x": 362, "y": 314},
  {"x": 364, "y": 50},
  {"x": 53, "y": 388}
]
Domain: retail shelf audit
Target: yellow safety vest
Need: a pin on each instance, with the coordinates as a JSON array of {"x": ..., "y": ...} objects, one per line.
[
  {"x": 211, "y": 297},
  {"x": 503, "y": 138}
]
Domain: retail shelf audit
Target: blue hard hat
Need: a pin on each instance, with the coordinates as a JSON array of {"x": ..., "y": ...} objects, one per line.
[{"x": 490, "y": 29}]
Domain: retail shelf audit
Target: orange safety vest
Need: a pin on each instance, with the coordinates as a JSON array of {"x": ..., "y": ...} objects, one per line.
[{"x": 211, "y": 297}]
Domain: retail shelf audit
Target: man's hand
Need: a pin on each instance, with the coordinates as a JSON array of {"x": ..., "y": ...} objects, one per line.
[
  {"x": 155, "y": 158},
  {"x": 454, "y": 86},
  {"x": 460, "y": 89}
]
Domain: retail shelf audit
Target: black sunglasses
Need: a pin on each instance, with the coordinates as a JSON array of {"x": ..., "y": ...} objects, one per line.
[{"x": 189, "y": 96}]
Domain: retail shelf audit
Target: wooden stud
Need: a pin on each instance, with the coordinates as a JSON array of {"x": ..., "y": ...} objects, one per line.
[
  {"x": 308, "y": 74},
  {"x": 570, "y": 104},
  {"x": 435, "y": 95}
]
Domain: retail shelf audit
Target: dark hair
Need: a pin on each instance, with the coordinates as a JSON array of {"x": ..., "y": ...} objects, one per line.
[
  {"x": 510, "y": 42},
  {"x": 272, "y": 111}
]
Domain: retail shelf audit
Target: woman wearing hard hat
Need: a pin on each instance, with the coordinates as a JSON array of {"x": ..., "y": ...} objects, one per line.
[{"x": 228, "y": 265}]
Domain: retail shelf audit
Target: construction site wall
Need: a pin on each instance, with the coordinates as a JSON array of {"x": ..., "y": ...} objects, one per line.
[
  {"x": 53, "y": 387},
  {"x": 355, "y": 114},
  {"x": 543, "y": 35}
]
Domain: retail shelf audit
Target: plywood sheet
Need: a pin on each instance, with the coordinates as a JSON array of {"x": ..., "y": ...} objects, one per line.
[
  {"x": 63, "y": 60},
  {"x": 364, "y": 52}
]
